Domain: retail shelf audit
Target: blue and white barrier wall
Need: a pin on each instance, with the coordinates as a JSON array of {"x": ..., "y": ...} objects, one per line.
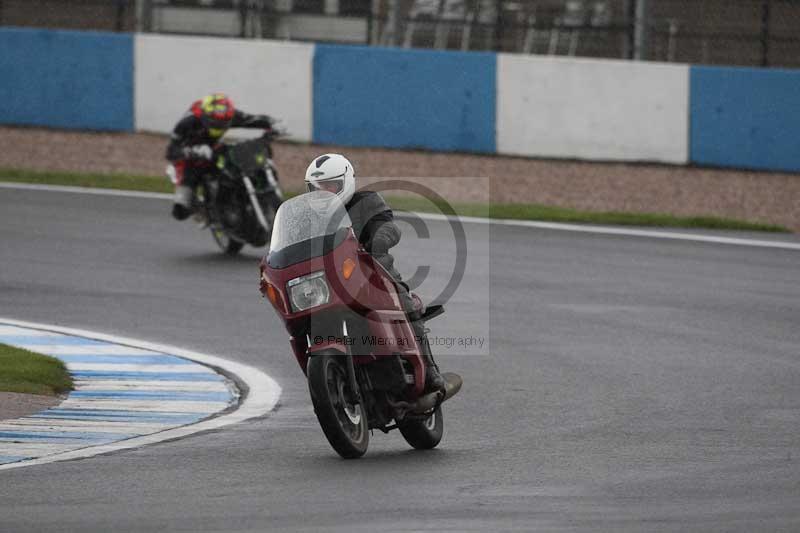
[
  {"x": 449, "y": 101},
  {"x": 367, "y": 96},
  {"x": 66, "y": 79},
  {"x": 592, "y": 109},
  {"x": 745, "y": 117},
  {"x": 261, "y": 76}
]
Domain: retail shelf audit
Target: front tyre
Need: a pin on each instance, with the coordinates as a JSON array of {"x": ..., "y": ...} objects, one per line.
[
  {"x": 226, "y": 244},
  {"x": 424, "y": 434},
  {"x": 270, "y": 208},
  {"x": 343, "y": 422}
]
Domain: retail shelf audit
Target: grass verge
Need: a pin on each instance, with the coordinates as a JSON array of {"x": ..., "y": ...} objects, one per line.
[
  {"x": 32, "y": 373},
  {"x": 575, "y": 216},
  {"x": 127, "y": 182},
  {"x": 498, "y": 211}
]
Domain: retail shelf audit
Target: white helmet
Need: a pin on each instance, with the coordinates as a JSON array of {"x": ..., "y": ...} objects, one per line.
[{"x": 332, "y": 173}]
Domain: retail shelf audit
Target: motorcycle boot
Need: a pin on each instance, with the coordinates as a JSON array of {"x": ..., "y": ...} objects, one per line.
[
  {"x": 414, "y": 310},
  {"x": 433, "y": 378},
  {"x": 182, "y": 208}
]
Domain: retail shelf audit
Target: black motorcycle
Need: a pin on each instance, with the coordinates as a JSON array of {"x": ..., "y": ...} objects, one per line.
[{"x": 238, "y": 197}]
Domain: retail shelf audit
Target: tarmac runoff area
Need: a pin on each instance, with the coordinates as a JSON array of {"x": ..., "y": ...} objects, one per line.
[{"x": 127, "y": 393}]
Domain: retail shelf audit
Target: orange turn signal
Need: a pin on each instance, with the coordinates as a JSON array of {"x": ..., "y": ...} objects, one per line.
[
  {"x": 348, "y": 266},
  {"x": 272, "y": 294}
]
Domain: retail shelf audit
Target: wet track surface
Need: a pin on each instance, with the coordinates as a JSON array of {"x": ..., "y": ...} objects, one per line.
[{"x": 632, "y": 384}]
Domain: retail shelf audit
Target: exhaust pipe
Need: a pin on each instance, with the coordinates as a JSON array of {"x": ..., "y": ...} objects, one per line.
[{"x": 429, "y": 401}]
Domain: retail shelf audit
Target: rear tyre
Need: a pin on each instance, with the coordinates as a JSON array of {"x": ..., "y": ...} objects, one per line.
[
  {"x": 225, "y": 243},
  {"x": 343, "y": 422},
  {"x": 424, "y": 434}
]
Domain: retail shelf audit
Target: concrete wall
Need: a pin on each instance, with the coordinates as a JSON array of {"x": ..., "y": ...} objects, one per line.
[
  {"x": 65, "y": 79},
  {"x": 592, "y": 109},
  {"x": 744, "y": 117},
  {"x": 261, "y": 77},
  {"x": 448, "y": 101},
  {"x": 404, "y": 98}
]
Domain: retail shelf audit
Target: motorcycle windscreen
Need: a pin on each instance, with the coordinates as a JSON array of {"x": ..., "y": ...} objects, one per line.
[
  {"x": 249, "y": 156},
  {"x": 307, "y": 226}
]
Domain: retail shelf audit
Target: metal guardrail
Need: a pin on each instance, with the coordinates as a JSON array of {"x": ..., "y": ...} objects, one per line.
[
  {"x": 106, "y": 15},
  {"x": 734, "y": 32}
]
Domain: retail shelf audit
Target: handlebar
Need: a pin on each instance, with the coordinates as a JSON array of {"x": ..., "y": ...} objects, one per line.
[{"x": 274, "y": 133}]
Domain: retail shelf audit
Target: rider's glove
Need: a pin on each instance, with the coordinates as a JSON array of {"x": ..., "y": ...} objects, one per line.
[
  {"x": 199, "y": 151},
  {"x": 277, "y": 127}
]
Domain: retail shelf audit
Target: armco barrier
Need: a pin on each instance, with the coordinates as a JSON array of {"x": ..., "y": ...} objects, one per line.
[
  {"x": 368, "y": 96},
  {"x": 744, "y": 117},
  {"x": 80, "y": 80},
  {"x": 261, "y": 76},
  {"x": 436, "y": 100}
]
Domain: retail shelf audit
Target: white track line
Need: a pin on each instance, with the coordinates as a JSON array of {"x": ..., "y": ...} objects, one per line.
[
  {"x": 56, "y": 350},
  {"x": 129, "y": 384},
  {"x": 162, "y": 369},
  {"x": 607, "y": 230},
  {"x": 576, "y": 228},
  {"x": 262, "y": 396}
]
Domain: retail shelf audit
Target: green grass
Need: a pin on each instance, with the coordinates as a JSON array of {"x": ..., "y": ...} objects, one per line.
[
  {"x": 129, "y": 182},
  {"x": 567, "y": 215},
  {"x": 498, "y": 211},
  {"x": 32, "y": 373}
]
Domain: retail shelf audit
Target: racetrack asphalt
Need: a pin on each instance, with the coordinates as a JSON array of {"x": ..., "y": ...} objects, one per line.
[{"x": 627, "y": 384}]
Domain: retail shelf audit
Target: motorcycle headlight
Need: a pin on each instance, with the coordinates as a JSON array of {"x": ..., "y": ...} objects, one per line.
[{"x": 308, "y": 291}]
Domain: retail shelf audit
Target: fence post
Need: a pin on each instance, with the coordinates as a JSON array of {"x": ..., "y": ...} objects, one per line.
[
  {"x": 498, "y": 25},
  {"x": 765, "y": 12},
  {"x": 371, "y": 22},
  {"x": 243, "y": 12},
  {"x": 146, "y": 14},
  {"x": 120, "y": 22},
  {"x": 640, "y": 32},
  {"x": 391, "y": 28},
  {"x": 630, "y": 17}
]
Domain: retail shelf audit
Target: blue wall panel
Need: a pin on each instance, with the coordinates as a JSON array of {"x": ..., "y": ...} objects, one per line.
[
  {"x": 66, "y": 79},
  {"x": 743, "y": 117},
  {"x": 404, "y": 98}
]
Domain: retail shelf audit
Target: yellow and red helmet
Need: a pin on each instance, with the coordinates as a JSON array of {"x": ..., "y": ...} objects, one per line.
[{"x": 216, "y": 111}]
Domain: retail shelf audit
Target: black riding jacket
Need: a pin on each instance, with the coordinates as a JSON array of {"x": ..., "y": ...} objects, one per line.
[
  {"x": 190, "y": 131},
  {"x": 373, "y": 224}
]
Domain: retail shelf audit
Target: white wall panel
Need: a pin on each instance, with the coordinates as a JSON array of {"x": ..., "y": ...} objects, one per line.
[
  {"x": 269, "y": 77},
  {"x": 592, "y": 109}
]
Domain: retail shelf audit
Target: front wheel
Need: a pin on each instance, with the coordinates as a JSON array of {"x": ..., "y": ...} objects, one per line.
[
  {"x": 270, "y": 208},
  {"x": 226, "y": 244},
  {"x": 424, "y": 434},
  {"x": 343, "y": 421}
]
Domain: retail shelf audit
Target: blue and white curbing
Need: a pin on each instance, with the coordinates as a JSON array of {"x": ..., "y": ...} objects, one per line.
[{"x": 128, "y": 393}]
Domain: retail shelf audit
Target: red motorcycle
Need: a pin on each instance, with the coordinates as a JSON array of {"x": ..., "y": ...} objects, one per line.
[{"x": 348, "y": 330}]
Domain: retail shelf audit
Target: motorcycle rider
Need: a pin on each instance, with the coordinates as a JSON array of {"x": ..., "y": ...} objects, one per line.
[
  {"x": 194, "y": 139},
  {"x": 373, "y": 224}
]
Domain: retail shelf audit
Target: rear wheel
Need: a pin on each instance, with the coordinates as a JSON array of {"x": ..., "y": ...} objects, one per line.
[
  {"x": 424, "y": 434},
  {"x": 226, "y": 244},
  {"x": 343, "y": 421}
]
